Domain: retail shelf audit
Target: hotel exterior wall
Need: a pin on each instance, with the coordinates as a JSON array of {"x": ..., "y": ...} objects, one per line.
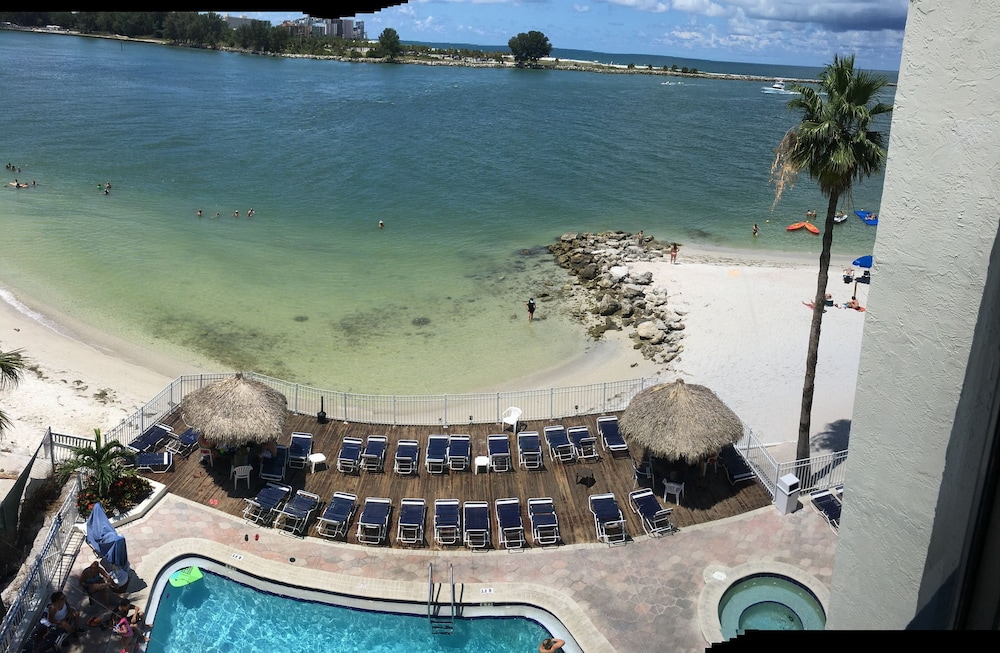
[{"x": 927, "y": 383}]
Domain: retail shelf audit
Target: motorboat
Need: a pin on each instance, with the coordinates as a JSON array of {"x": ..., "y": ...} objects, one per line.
[
  {"x": 839, "y": 217},
  {"x": 778, "y": 88}
]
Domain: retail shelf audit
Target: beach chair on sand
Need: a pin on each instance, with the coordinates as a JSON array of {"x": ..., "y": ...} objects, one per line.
[
  {"x": 447, "y": 521},
  {"x": 407, "y": 457},
  {"x": 560, "y": 447},
  {"x": 150, "y": 439},
  {"x": 293, "y": 518},
  {"x": 261, "y": 509},
  {"x": 584, "y": 444},
  {"x": 655, "y": 519},
  {"x": 611, "y": 437},
  {"x": 529, "y": 450},
  {"x": 544, "y": 521},
  {"x": 609, "y": 522},
  {"x": 459, "y": 452},
  {"x": 510, "y": 527},
  {"x": 373, "y": 456},
  {"x": 476, "y": 524},
  {"x": 410, "y": 529},
  {"x": 499, "y": 450},
  {"x": 436, "y": 458},
  {"x": 373, "y": 524},
  {"x": 300, "y": 449},
  {"x": 349, "y": 456},
  {"x": 337, "y": 516}
]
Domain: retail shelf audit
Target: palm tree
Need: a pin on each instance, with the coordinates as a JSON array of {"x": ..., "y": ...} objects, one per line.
[
  {"x": 102, "y": 460},
  {"x": 836, "y": 146},
  {"x": 11, "y": 369}
]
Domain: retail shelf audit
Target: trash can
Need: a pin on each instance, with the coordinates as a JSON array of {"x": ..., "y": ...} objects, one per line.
[{"x": 786, "y": 495}]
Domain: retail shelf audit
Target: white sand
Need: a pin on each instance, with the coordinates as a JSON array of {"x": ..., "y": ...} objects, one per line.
[{"x": 746, "y": 337}]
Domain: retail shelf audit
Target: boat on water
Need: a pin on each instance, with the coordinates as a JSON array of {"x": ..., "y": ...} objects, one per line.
[
  {"x": 778, "y": 88},
  {"x": 839, "y": 217},
  {"x": 810, "y": 227},
  {"x": 868, "y": 217}
]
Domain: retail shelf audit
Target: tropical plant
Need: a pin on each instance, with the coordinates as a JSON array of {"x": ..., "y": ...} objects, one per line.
[
  {"x": 124, "y": 494},
  {"x": 102, "y": 461},
  {"x": 835, "y": 143},
  {"x": 529, "y": 47},
  {"x": 11, "y": 369}
]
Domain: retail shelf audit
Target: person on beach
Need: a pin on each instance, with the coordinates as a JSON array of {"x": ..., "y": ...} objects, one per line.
[
  {"x": 754, "y": 228},
  {"x": 531, "y": 309},
  {"x": 551, "y": 644},
  {"x": 674, "y": 248}
]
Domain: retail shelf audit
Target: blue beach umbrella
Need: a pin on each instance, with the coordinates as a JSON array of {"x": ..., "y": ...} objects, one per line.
[{"x": 863, "y": 262}]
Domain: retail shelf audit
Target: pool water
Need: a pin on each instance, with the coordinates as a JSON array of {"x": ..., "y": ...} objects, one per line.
[
  {"x": 769, "y": 602},
  {"x": 219, "y": 615}
]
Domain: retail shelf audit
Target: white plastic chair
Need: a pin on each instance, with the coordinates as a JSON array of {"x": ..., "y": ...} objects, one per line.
[
  {"x": 242, "y": 473},
  {"x": 511, "y": 416}
]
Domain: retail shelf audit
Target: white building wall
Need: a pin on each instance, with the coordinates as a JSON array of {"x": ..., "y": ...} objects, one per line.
[{"x": 917, "y": 439}]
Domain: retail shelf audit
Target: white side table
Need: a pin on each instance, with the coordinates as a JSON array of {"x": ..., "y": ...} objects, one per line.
[
  {"x": 315, "y": 458},
  {"x": 482, "y": 463}
]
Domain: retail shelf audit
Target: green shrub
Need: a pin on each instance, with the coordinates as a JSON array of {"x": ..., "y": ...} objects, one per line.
[{"x": 125, "y": 493}]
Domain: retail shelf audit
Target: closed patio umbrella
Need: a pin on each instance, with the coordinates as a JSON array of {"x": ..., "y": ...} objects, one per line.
[
  {"x": 680, "y": 421},
  {"x": 235, "y": 411}
]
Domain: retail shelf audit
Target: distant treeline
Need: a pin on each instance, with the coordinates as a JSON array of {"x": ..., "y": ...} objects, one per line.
[{"x": 210, "y": 30}]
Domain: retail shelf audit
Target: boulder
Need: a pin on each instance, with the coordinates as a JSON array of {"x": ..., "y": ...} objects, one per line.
[
  {"x": 630, "y": 291},
  {"x": 608, "y": 305}
]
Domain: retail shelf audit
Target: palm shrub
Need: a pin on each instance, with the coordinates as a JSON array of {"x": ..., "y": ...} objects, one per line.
[{"x": 105, "y": 477}]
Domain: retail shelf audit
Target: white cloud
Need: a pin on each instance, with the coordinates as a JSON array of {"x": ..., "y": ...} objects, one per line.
[
  {"x": 581, "y": 8},
  {"x": 701, "y": 7},
  {"x": 643, "y": 5}
]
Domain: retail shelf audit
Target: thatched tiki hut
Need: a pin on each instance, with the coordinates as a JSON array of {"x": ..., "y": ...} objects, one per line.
[
  {"x": 680, "y": 421},
  {"x": 235, "y": 411}
]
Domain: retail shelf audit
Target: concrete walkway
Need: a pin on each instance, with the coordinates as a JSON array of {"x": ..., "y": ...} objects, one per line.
[{"x": 641, "y": 596}]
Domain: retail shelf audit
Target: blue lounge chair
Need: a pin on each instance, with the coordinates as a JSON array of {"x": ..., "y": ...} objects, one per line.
[
  {"x": 459, "y": 452},
  {"x": 261, "y": 509},
  {"x": 655, "y": 519},
  {"x": 510, "y": 526},
  {"x": 273, "y": 468},
  {"x": 544, "y": 521},
  {"x": 157, "y": 462},
  {"x": 736, "y": 467},
  {"x": 349, "y": 457},
  {"x": 410, "y": 529},
  {"x": 828, "y": 506},
  {"x": 560, "y": 447},
  {"x": 151, "y": 438},
  {"x": 529, "y": 450},
  {"x": 499, "y": 449},
  {"x": 183, "y": 444},
  {"x": 447, "y": 521},
  {"x": 584, "y": 444},
  {"x": 407, "y": 457},
  {"x": 337, "y": 516},
  {"x": 476, "y": 520},
  {"x": 294, "y": 516},
  {"x": 611, "y": 437},
  {"x": 609, "y": 522},
  {"x": 373, "y": 456},
  {"x": 436, "y": 458},
  {"x": 300, "y": 449},
  {"x": 373, "y": 524}
]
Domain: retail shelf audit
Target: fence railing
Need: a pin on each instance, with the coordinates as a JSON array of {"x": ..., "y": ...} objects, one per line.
[
  {"x": 48, "y": 572},
  {"x": 825, "y": 471}
]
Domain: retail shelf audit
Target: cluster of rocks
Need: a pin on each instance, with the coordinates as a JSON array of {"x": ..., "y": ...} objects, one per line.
[{"x": 610, "y": 297}]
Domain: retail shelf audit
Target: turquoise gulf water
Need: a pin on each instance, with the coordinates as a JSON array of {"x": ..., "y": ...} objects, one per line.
[
  {"x": 473, "y": 171},
  {"x": 218, "y": 615}
]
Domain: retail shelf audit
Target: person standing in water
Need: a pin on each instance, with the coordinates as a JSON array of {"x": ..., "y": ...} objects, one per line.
[
  {"x": 754, "y": 228},
  {"x": 381, "y": 225},
  {"x": 531, "y": 309}
]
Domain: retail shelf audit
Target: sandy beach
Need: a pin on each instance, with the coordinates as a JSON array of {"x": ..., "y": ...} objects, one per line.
[{"x": 746, "y": 336}]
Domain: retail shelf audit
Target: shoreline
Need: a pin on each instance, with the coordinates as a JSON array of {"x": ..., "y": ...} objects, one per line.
[{"x": 739, "y": 308}]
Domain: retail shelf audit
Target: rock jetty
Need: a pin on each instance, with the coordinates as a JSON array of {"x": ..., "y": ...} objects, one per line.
[{"x": 610, "y": 297}]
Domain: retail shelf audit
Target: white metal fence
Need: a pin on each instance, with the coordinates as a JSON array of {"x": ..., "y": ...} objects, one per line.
[
  {"x": 48, "y": 573},
  {"x": 824, "y": 471}
]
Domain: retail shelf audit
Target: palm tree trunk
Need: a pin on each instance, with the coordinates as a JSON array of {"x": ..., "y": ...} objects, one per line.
[{"x": 803, "y": 450}]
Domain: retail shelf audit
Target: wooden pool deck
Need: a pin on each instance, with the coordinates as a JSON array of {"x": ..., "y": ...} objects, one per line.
[{"x": 706, "y": 498}]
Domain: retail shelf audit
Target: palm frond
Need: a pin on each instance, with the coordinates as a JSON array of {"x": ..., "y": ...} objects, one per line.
[{"x": 11, "y": 368}]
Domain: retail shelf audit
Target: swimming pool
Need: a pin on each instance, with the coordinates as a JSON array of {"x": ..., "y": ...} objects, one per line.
[{"x": 223, "y": 614}]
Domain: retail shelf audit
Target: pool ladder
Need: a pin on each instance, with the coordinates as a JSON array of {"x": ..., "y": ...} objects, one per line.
[{"x": 441, "y": 615}]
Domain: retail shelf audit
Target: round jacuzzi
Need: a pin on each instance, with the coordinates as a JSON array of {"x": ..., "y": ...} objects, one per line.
[{"x": 769, "y": 602}]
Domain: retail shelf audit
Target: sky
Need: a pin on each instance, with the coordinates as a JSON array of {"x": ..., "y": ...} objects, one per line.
[{"x": 785, "y": 32}]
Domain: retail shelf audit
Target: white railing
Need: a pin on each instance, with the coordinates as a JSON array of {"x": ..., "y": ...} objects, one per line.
[
  {"x": 825, "y": 471},
  {"x": 48, "y": 573}
]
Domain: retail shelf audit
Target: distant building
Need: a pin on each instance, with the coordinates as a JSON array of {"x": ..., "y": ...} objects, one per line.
[
  {"x": 359, "y": 31},
  {"x": 235, "y": 22}
]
